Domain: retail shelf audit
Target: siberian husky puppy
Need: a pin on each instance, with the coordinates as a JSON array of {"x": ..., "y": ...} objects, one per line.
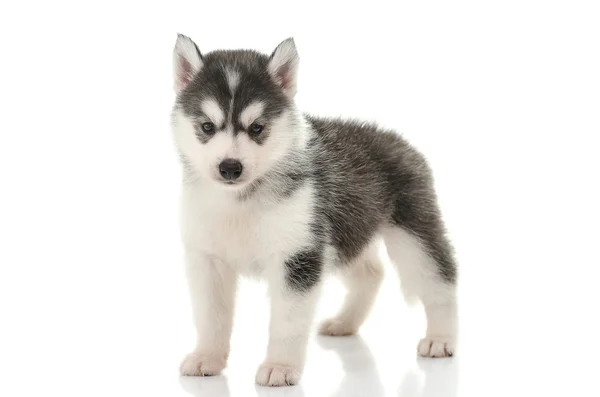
[{"x": 271, "y": 192}]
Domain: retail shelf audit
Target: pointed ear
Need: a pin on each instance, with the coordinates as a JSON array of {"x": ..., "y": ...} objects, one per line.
[
  {"x": 283, "y": 66},
  {"x": 187, "y": 61}
]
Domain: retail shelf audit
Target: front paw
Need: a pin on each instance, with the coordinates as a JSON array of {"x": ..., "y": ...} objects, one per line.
[
  {"x": 198, "y": 364},
  {"x": 434, "y": 346},
  {"x": 270, "y": 374}
]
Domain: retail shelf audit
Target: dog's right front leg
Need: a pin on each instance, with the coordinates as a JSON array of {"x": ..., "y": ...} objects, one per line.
[
  {"x": 212, "y": 288},
  {"x": 294, "y": 289}
]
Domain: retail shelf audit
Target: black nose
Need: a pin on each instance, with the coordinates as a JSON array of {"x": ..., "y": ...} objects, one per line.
[{"x": 230, "y": 169}]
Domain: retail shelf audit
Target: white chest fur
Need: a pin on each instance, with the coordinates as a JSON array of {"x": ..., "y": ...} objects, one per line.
[{"x": 246, "y": 235}]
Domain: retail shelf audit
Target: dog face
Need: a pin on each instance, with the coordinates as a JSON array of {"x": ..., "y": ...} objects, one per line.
[{"x": 234, "y": 114}]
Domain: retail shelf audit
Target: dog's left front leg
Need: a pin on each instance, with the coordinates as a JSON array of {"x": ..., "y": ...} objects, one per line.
[{"x": 294, "y": 291}]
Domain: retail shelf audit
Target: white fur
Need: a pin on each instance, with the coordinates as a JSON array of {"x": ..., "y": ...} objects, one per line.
[
  {"x": 252, "y": 112},
  {"x": 211, "y": 108},
  {"x": 233, "y": 79},
  {"x": 186, "y": 62},
  {"x": 284, "y": 66},
  {"x": 212, "y": 289},
  {"x": 263, "y": 232},
  {"x": 419, "y": 281},
  {"x": 265, "y": 235},
  {"x": 362, "y": 280}
]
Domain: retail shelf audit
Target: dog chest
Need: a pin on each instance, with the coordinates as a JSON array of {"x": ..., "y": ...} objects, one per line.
[{"x": 252, "y": 235}]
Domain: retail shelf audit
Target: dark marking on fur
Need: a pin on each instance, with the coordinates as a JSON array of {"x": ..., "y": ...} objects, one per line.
[
  {"x": 367, "y": 177},
  {"x": 303, "y": 270},
  {"x": 292, "y": 182},
  {"x": 202, "y": 136}
]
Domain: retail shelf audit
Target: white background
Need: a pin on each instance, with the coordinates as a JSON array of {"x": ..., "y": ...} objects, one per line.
[{"x": 503, "y": 98}]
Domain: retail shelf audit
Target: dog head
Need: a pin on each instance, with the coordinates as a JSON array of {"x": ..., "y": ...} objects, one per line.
[{"x": 234, "y": 115}]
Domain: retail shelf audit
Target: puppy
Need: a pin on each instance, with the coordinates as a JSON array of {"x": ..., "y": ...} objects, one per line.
[{"x": 270, "y": 192}]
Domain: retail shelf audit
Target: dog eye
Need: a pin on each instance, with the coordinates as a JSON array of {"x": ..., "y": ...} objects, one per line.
[
  {"x": 209, "y": 128},
  {"x": 256, "y": 128}
]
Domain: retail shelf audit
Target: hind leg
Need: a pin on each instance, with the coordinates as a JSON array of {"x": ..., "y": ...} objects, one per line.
[
  {"x": 362, "y": 279},
  {"x": 427, "y": 273}
]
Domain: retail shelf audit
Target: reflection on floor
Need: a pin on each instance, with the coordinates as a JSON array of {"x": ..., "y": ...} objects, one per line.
[{"x": 432, "y": 378}]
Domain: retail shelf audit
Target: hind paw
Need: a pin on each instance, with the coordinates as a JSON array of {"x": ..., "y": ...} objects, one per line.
[{"x": 335, "y": 327}]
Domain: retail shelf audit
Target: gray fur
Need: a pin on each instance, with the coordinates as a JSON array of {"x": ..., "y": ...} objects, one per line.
[
  {"x": 367, "y": 177},
  {"x": 304, "y": 269}
]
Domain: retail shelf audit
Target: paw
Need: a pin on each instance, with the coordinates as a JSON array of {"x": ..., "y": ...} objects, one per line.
[
  {"x": 277, "y": 375},
  {"x": 198, "y": 364},
  {"x": 335, "y": 327},
  {"x": 436, "y": 347}
]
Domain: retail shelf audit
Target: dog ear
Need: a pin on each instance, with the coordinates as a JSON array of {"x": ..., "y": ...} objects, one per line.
[
  {"x": 283, "y": 66},
  {"x": 187, "y": 61}
]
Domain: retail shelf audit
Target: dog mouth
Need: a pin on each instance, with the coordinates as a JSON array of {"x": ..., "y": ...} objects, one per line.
[{"x": 232, "y": 184}]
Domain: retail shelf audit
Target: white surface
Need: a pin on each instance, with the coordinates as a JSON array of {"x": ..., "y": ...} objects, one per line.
[{"x": 503, "y": 99}]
